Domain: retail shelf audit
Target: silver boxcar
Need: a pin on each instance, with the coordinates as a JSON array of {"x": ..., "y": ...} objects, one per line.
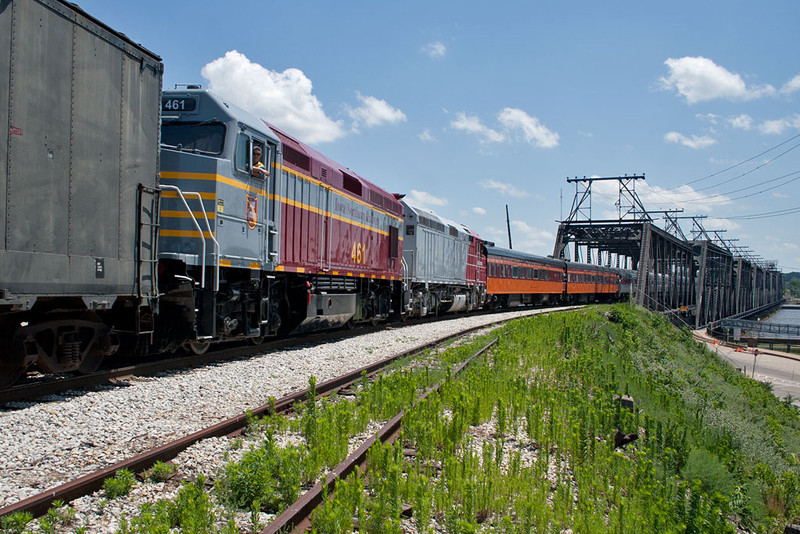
[{"x": 80, "y": 114}]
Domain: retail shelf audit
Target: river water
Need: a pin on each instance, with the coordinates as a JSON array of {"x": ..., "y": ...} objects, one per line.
[{"x": 784, "y": 316}]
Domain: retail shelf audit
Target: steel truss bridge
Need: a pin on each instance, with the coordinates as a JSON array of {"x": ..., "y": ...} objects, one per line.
[{"x": 696, "y": 281}]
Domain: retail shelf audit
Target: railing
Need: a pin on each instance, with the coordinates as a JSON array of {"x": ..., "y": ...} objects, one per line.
[
  {"x": 182, "y": 195},
  {"x": 761, "y": 328}
]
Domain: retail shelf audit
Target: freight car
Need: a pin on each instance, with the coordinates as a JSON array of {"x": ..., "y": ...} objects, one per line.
[
  {"x": 245, "y": 254},
  {"x": 79, "y": 146}
]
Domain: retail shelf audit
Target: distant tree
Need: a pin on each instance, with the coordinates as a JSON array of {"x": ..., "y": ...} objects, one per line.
[{"x": 793, "y": 288}]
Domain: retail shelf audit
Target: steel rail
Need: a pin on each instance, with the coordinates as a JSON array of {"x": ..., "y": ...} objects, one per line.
[
  {"x": 87, "y": 484},
  {"x": 50, "y": 386},
  {"x": 296, "y": 518}
]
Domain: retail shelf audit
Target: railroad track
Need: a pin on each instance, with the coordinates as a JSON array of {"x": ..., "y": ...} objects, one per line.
[
  {"x": 87, "y": 484},
  {"x": 297, "y": 517},
  {"x": 39, "y": 387}
]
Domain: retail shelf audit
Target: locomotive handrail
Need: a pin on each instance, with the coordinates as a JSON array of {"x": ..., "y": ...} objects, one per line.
[
  {"x": 405, "y": 271},
  {"x": 182, "y": 196}
]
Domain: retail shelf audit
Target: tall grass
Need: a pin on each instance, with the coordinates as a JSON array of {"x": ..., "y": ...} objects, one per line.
[{"x": 715, "y": 451}]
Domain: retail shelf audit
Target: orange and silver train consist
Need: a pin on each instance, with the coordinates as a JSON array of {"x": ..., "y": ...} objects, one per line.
[{"x": 139, "y": 220}]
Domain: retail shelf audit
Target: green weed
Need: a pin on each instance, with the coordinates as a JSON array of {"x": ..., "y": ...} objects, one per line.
[{"x": 119, "y": 485}]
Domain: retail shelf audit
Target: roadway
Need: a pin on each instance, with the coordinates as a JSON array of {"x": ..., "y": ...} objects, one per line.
[{"x": 781, "y": 369}]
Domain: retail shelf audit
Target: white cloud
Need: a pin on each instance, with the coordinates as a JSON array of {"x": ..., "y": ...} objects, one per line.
[
  {"x": 780, "y": 195},
  {"x": 531, "y": 239},
  {"x": 779, "y": 126},
  {"x": 712, "y": 223},
  {"x": 532, "y": 130},
  {"x": 435, "y": 50},
  {"x": 654, "y": 197},
  {"x": 374, "y": 112},
  {"x": 473, "y": 125},
  {"x": 739, "y": 122},
  {"x": 284, "y": 99},
  {"x": 791, "y": 86},
  {"x": 693, "y": 142},
  {"x": 515, "y": 122},
  {"x": 426, "y": 136},
  {"x": 424, "y": 199},
  {"x": 504, "y": 188},
  {"x": 698, "y": 79},
  {"x": 479, "y": 210}
]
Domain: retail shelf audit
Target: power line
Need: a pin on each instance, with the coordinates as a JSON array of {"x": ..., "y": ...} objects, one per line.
[
  {"x": 768, "y": 214},
  {"x": 717, "y": 198},
  {"x": 711, "y": 199},
  {"x": 737, "y": 164},
  {"x": 754, "y": 169}
]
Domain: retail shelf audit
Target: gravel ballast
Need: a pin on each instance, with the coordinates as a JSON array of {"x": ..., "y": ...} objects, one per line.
[{"x": 50, "y": 443}]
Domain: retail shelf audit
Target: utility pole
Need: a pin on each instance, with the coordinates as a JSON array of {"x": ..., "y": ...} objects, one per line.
[{"x": 508, "y": 225}]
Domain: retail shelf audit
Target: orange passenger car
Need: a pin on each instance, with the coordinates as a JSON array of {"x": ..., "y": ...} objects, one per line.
[{"x": 516, "y": 278}]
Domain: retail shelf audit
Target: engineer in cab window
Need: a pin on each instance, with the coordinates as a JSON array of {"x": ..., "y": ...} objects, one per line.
[{"x": 259, "y": 170}]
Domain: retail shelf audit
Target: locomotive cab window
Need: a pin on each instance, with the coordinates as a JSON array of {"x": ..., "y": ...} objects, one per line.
[
  {"x": 200, "y": 137},
  {"x": 251, "y": 155}
]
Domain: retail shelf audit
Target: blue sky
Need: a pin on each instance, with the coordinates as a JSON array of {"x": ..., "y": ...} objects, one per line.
[{"x": 469, "y": 106}]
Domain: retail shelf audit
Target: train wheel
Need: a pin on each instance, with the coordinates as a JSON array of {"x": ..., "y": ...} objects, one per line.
[
  {"x": 199, "y": 347},
  {"x": 10, "y": 375},
  {"x": 255, "y": 340}
]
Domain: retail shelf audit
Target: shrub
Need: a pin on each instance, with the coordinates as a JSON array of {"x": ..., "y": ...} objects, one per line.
[
  {"x": 119, "y": 485},
  {"x": 161, "y": 471},
  {"x": 267, "y": 475},
  {"x": 710, "y": 471},
  {"x": 16, "y": 522}
]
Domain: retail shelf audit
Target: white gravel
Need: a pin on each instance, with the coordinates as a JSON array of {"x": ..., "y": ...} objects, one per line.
[{"x": 50, "y": 443}]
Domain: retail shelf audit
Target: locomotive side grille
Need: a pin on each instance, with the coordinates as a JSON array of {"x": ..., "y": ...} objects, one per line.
[
  {"x": 290, "y": 155},
  {"x": 351, "y": 183},
  {"x": 335, "y": 283},
  {"x": 391, "y": 206},
  {"x": 430, "y": 223}
]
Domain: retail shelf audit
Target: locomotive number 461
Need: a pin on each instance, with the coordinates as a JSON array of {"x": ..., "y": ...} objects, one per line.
[
  {"x": 359, "y": 253},
  {"x": 178, "y": 104}
]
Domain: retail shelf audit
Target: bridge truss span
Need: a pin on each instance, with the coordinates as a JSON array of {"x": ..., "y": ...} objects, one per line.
[{"x": 697, "y": 281}]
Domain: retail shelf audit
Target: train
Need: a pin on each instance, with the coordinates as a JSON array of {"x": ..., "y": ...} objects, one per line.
[{"x": 141, "y": 220}]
